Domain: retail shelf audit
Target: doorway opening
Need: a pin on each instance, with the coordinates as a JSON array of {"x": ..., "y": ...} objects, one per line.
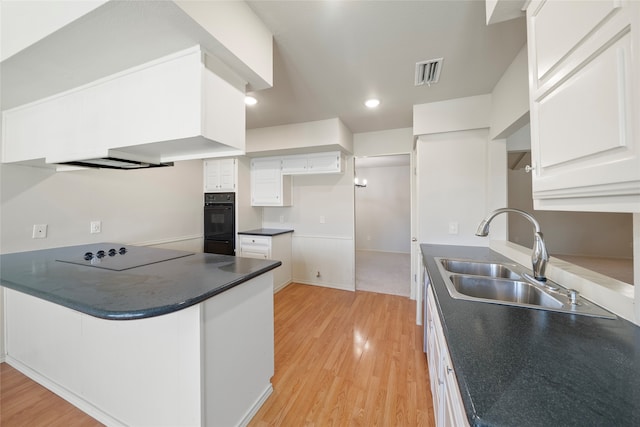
[{"x": 383, "y": 224}]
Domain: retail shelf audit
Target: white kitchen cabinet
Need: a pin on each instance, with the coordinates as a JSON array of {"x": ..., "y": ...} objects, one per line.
[
  {"x": 219, "y": 175},
  {"x": 447, "y": 402},
  {"x": 269, "y": 187},
  {"x": 584, "y": 74},
  {"x": 316, "y": 163},
  {"x": 277, "y": 247},
  {"x": 207, "y": 364},
  {"x": 293, "y": 165}
]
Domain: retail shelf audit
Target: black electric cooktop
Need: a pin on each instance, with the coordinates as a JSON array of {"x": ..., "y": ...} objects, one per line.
[{"x": 118, "y": 257}]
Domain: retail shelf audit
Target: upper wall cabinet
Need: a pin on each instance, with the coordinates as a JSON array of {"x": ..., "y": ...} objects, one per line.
[
  {"x": 271, "y": 183},
  {"x": 219, "y": 175},
  {"x": 317, "y": 163},
  {"x": 269, "y": 187},
  {"x": 584, "y": 69}
]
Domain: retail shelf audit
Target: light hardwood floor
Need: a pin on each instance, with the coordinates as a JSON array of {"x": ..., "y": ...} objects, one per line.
[
  {"x": 346, "y": 358},
  {"x": 341, "y": 358},
  {"x": 26, "y": 403}
]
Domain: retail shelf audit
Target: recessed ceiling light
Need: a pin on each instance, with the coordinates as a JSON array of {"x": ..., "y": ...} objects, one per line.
[
  {"x": 250, "y": 100},
  {"x": 372, "y": 103}
]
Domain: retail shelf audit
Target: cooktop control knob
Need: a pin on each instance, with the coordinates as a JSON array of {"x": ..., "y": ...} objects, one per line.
[
  {"x": 88, "y": 256},
  {"x": 100, "y": 254},
  {"x": 122, "y": 251},
  {"x": 112, "y": 252}
]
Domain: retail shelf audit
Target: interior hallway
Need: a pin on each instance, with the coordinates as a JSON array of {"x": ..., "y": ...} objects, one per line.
[{"x": 383, "y": 272}]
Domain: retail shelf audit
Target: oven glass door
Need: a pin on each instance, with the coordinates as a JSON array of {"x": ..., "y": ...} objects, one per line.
[{"x": 218, "y": 222}]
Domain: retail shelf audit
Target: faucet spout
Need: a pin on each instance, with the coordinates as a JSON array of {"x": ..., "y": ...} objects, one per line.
[{"x": 539, "y": 255}]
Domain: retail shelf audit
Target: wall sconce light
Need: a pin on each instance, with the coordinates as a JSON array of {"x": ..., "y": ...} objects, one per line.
[{"x": 359, "y": 184}]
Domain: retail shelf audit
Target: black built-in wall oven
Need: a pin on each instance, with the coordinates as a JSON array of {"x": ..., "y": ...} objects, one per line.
[{"x": 219, "y": 223}]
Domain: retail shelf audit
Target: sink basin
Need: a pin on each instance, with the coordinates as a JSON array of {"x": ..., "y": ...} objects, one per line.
[
  {"x": 508, "y": 291},
  {"x": 488, "y": 269},
  {"x": 510, "y": 284}
]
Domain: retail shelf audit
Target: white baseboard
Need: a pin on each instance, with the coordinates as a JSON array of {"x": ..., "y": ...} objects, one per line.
[
  {"x": 64, "y": 393},
  {"x": 325, "y": 285},
  {"x": 282, "y": 286},
  {"x": 256, "y": 406}
]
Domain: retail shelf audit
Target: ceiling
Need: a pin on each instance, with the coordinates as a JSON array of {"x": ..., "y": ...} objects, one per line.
[{"x": 330, "y": 56}]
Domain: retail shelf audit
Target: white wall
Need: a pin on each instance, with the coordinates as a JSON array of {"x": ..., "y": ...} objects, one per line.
[
  {"x": 136, "y": 206},
  {"x": 382, "y": 143},
  {"x": 308, "y": 137},
  {"x": 453, "y": 186},
  {"x": 327, "y": 248},
  {"x": 26, "y": 22},
  {"x": 510, "y": 98},
  {"x": 233, "y": 23},
  {"x": 452, "y": 115},
  {"x": 156, "y": 206},
  {"x": 383, "y": 209}
]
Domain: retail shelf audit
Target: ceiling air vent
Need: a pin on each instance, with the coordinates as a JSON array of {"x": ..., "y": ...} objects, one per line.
[{"x": 428, "y": 72}]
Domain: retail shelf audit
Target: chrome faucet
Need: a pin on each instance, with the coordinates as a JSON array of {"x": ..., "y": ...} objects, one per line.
[{"x": 539, "y": 256}]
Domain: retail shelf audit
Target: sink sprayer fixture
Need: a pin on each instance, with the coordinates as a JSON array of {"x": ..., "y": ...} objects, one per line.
[{"x": 539, "y": 256}]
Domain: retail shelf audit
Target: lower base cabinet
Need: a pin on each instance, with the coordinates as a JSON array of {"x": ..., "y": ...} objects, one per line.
[
  {"x": 447, "y": 402},
  {"x": 276, "y": 247}
]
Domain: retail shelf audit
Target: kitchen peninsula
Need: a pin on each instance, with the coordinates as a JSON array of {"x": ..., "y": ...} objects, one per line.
[{"x": 143, "y": 336}]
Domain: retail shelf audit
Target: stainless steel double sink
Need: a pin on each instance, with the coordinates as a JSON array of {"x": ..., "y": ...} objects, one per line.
[{"x": 510, "y": 284}]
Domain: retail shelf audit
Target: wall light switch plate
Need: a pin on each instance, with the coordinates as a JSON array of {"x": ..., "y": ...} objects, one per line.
[
  {"x": 39, "y": 231},
  {"x": 96, "y": 227},
  {"x": 453, "y": 227}
]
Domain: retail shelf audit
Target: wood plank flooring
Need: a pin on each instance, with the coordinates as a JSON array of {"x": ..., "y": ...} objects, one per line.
[
  {"x": 26, "y": 403},
  {"x": 341, "y": 358},
  {"x": 346, "y": 358}
]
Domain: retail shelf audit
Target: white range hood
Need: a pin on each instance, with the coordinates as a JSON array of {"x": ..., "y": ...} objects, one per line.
[
  {"x": 85, "y": 93},
  {"x": 170, "y": 109}
]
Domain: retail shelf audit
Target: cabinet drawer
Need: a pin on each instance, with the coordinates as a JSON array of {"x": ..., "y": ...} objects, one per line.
[
  {"x": 560, "y": 26},
  {"x": 252, "y": 254},
  {"x": 255, "y": 242}
]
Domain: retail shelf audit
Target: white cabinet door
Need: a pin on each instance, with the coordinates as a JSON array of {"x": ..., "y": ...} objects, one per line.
[
  {"x": 219, "y": 175},
  {"x": 447, "y": 401},
  {"x": 294, "y": 164},
  {"x": 316, "y": 163},
  {"x": 584, "y": 96},
  {"x": 227, "y": 174},
  {"x": 268, "y": 186},
  {"x": 325, "y": 163}
]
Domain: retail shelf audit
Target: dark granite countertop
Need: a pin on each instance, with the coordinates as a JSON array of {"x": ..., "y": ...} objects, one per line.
[
  {"x": 525, "y": 367},
  {"x": 132, "y": 293},
  {"x": 266, "y": 232}
]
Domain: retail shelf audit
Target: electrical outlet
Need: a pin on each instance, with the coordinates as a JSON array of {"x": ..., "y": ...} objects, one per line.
[
  {"x": 96, "y": 227},
  {"x": 39, "y": 231}
]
